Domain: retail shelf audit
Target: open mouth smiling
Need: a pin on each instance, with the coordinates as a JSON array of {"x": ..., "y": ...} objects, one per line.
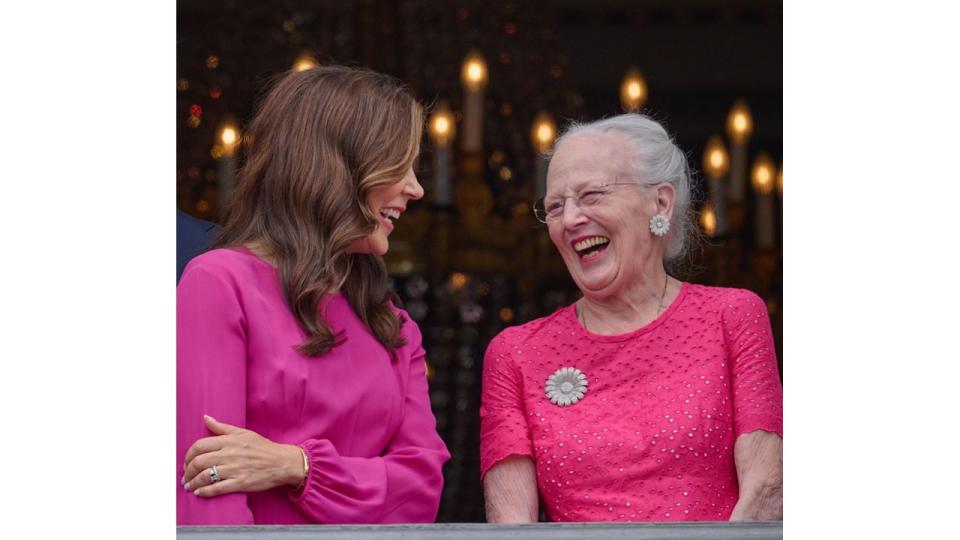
[
  {"x": 589, "y": 247},
  {"x": 389, "y": 214}
]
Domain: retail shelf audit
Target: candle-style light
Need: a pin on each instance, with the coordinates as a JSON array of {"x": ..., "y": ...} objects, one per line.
[
  {"x": 633, "y": 91},
  {"x": 473, "y": 76},
  {"x": 780, "y": 195},
  {"x": 458, "y": 280},
  {"x": 229, "y": 137},
  {"x": 304, "y": 61},
  {"x": 780, "y": 181},
  {"x": 225, "y": 150},
  {"x": 763, "y": 178},
  {"x": 739, "y": 129},
  {"x": 716, "y": 165},
  {"x": 442, "y": 130},
  {"x": 542, "y": 134},
  {"x": 708, "y": 220}
]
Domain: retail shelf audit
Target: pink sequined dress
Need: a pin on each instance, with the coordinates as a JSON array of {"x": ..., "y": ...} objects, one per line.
[
  {"x": 363, "y": 418},
  {"x": 652, "y": 438}
]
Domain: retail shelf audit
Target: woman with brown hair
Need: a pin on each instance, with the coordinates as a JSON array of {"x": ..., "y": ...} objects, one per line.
[{"x": 301, "y": 390}]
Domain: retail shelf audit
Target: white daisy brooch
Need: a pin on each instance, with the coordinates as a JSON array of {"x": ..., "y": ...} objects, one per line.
[{"x": 566, "y": 387}]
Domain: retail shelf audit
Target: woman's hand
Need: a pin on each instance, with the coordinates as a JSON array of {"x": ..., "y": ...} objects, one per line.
[{"x": 245, "y": 461}]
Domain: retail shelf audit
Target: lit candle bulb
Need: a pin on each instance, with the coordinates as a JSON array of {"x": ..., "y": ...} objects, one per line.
[
  {"x": 708, "y": 220},
  {"x": 304, "y": 61},
  {"x": 225, "y": 149},
  {"x": 780, "y": 181},
  {"x": 739, "y": 129},
  {"x": 633, "y": 91},
  {"x": 474, "y": 79},
  {"x": 442, "y": 130},
  {"x": 542, "y": 134},
  {"x": 716, "y": 164},
  {"x": 764, "y": 180}
]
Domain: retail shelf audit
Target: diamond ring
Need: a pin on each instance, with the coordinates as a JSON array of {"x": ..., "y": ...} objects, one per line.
[{"x": 214, "y": 475}]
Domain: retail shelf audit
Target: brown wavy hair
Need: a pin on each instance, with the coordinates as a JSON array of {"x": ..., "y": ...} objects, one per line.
[{"x": 319, "y": 142}]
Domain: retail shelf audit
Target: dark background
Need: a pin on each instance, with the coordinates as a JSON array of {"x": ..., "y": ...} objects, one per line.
[{"x": 467, "y": 271}]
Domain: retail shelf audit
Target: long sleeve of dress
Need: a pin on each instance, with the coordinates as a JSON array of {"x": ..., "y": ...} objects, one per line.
[
  {"x": 757, "y": 392},
  {"x": 211, "y": 379},
  {"x": 402, "y": 485}
]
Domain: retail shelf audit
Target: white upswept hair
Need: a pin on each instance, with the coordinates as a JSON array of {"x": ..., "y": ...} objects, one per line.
[{"x": 656, "y": 159}]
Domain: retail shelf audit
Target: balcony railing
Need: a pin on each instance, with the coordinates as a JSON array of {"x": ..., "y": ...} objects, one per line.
[{"x": 756, "y": 530}]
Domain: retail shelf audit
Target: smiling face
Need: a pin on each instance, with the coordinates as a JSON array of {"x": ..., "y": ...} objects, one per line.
[
  {"x": 607, "y": 247},
  {"x": 388, "y": 202}
]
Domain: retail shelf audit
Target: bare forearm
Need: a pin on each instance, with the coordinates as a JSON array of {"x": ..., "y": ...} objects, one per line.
[
  {"x": 764, "y": 503},
  {"x": 759, "y": 460},
  {"x": 510, "y": 490}
]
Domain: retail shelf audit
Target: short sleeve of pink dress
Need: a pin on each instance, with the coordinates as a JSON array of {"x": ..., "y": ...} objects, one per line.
[
  {"x": 502, "y": 410},
  {"x": 652, "y": 438}
]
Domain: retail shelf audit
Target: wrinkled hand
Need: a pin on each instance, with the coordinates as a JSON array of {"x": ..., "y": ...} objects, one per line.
[{"x": 246, "y": 462}]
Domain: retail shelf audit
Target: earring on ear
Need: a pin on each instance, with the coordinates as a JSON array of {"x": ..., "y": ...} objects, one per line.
[{"x": 659, "y": 225}]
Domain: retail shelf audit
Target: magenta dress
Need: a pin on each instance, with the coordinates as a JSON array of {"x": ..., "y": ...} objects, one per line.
[
  {"x": 652, "y": 438},
  {"x": 363, "y": 419}
]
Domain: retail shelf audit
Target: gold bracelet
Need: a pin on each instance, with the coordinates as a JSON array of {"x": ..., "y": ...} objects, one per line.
[{"x": 306, "y": 469}]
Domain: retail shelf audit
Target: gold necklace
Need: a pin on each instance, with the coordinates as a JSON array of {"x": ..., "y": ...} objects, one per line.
[
  {"x": 663, "y": 295},
  {"x": 582, "y": 317}
]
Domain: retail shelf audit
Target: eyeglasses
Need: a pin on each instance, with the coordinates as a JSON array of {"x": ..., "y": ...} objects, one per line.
[{"x": 591, "y": 196}]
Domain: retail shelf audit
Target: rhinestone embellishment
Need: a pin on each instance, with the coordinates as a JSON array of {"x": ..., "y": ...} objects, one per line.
[{"x": 566, "y": 387}]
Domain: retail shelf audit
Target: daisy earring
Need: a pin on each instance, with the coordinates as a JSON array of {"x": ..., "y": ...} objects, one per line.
[{"x": 659, "y": 225}]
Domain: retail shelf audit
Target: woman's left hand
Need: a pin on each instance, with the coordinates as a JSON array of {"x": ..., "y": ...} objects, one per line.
[{"x": 245, "y": 461}]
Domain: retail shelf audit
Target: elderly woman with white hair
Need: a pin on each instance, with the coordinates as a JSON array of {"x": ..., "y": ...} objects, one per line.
[{"x": 648, "y": 399}]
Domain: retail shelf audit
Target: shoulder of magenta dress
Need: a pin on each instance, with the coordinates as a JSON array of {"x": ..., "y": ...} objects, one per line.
[
  {"x": 651, "y": 438},
  {"x": 362, "y": 417}
]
